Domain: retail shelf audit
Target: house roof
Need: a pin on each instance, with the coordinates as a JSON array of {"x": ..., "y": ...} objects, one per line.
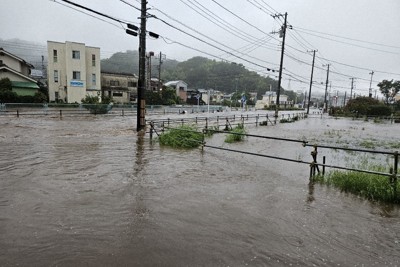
[
  {"x": 29, "y": 85},
  {"x": 6, "y": 68},
  {"x": 174, "y": 82},
  {"x": 2, "y": 51}
]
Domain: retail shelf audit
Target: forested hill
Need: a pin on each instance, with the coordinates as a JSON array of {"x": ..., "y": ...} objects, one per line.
[{"x": 197, "y": 72}]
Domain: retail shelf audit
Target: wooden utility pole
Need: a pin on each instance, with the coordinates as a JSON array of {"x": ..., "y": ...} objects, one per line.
[
  {"x": 370, "y": 84},
  {"x": 278, "y": 90},
  {"x": 351, "y": 90},
  {"x": 326, "y": 91},
  {"x": 141, "y": 103},
  {"x": 311, "y": 81}
]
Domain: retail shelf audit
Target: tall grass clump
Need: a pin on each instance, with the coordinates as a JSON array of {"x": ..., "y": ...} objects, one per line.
[
  {"x": 370, "y": 186},
  {"x": 182, "y": 137},
  {"x": 236, "y": 134}
]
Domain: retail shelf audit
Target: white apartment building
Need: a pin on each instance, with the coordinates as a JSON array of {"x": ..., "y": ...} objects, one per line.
[{"x": 73, "y": 71}]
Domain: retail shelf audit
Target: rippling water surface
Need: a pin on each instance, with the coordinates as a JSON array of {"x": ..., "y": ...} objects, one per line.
[{"x": 92, "y": 192}]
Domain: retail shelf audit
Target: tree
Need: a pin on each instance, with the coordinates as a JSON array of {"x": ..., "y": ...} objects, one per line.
[
  {"x": 5, "y": 85},
  {"x": 389, "y": 89},
  {"x": 6, "y": 93}
]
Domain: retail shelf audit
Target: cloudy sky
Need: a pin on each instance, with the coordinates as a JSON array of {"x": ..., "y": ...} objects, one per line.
[{"x": 354, "y": 37}]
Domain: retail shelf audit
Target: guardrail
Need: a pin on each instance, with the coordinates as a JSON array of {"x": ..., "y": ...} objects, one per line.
[{"x": 313, "y": 164}]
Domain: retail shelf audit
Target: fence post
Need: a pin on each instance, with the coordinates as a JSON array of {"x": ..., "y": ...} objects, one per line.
[
  {"x": 17, "y": 113},
  {"x": 196, "y": 119},
  {"x": 151, "y": 130},
  {"x": 323, "y": 167},
  {"x": 182, "y": 122},
  {"x": 395, "y": 169},
  {"x": 257, "y": 120},
  {"x": 206, "y": 123},
  {"x": 123, "y": 113},
  {"x": 314, "y": 163}
]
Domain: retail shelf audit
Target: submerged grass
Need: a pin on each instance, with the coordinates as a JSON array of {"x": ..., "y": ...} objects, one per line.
[
  {"x": 236, "y": 134},
  {"x": 182, "y": 137},
  {"x": 370, "y": 186}
]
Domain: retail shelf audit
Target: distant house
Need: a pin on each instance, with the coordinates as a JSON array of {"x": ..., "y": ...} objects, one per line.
[
  {"x": 269, "y": 98},
  {"x": 211, "y": 96},
  {"x": 73, "y": 71},
  {"x": 18, "y": 71},
  {"x": 122, "y": 87},
  {"x": 194, "y": 97},
  {"x": 180, "y": 88}
]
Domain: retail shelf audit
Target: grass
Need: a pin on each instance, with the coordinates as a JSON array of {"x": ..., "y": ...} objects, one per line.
[
  {"x": 236, "y": 134},
  {"x": 182, "y": 137},
  {"x": 370, "y": 186}
]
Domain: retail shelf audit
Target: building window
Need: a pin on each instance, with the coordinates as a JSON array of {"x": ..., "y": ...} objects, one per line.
[
  {"x": 181, "y": 88},
  {"x": 114, "y": 83},
  {"x": 76, "y": 54},
  {"x": 94, "y": 79},
  {"x": 56, "y": 76},
  {"x": 93, "y": 60},
  {"x": 132, "y": 84},
  {"x": 76, "y": 75},
  {"x": 119, "y": 94},
  {"x": 55, "y": 55}
]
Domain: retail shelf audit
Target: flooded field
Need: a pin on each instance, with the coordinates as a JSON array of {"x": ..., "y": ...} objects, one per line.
[{"x": 90, "y": 191}]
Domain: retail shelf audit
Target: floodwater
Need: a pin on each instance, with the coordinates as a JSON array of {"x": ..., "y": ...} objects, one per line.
[{"x": 90, "y": 191}]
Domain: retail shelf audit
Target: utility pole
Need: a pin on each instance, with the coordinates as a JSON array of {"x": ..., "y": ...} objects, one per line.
[
  {"x": 370, "y": 84},
  {"x": 351, "y": 90},
  {"x": 344, "y": 99},
  {"x": 159, "y": 70},
  {"x": 326, "y": 91},
  {"x": 141, "y": 103},
  {"x": 278, "y": 90},
  {"x": 311, "y": 81}
]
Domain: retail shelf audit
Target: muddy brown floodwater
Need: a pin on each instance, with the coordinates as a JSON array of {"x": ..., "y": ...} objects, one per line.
[{"x": 90, "y": 191}]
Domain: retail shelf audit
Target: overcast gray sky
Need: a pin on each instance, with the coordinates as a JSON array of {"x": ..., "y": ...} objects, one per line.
[{"x": 355, "y": 36}]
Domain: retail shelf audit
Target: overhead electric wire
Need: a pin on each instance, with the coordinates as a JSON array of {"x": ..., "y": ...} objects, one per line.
[
  {"x": 348, "y": 38},
  {"x": 245, "y": 21},
  {"x": 260, "y": 7},
  {"x": 205, "y": 42},
  {"x": 360, "y": 46},
  {"x": 93, "y": 11},
  {"x": 213, "y": 16}
]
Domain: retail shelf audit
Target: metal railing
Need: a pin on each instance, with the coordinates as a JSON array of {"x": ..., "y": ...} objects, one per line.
[{"x": 313, "y": 164}]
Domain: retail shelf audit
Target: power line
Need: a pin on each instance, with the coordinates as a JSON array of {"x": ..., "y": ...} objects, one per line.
[
  {"x": 347, "y": 38},
  {"x": 212, "y": 45},
  {"x": 360, "y": 46}
]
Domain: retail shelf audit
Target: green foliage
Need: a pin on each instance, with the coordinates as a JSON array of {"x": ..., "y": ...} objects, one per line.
[
  {"x": 359, "y": 105},
  {"x": 5, "y": 85},
  {"x": 8, "y": 97},
  {"x": 379, "y": 110},
  {"x": 236, "y": 134},
  {"x": 389, "y": 89},
  {"x": 182, "y": 137},
  {"x": 166, "y": 97},
  {"x": 371, "y": 186},
  {"x": 40, "y": 97},
  {"x": 92, "y": 103},
  {"x": 200, "y": 72}
]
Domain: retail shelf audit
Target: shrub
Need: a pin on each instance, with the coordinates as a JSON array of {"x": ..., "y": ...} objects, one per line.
[
  {"x": 379, "y": 110},
  {"x": 236, "y": 134},
  {"x": 182, "y": 137}
]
